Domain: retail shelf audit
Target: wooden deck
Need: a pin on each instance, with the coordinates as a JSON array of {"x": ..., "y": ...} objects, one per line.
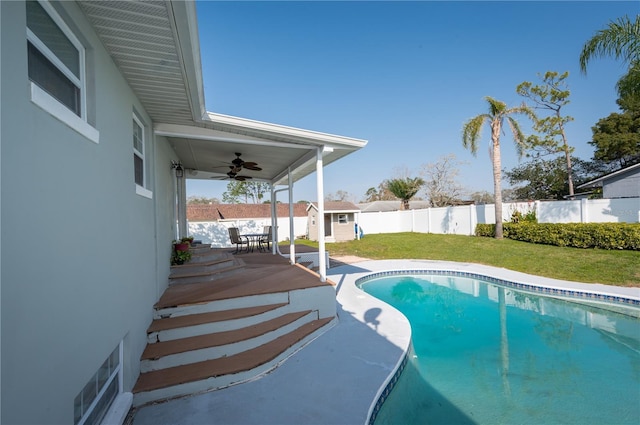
[{"x": 263, "y": 273}]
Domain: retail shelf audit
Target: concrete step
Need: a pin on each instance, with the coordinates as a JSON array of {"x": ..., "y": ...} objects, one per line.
[
  {"x": 171, "y": 328},
  {"x": 225, "y": 371},
  {"x": 200, "y": 348},
  {"x": 200, "y": 255}
]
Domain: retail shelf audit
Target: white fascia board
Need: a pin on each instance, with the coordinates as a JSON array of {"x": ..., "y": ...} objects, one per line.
[
  {"x": 300, "y": 135},
  {"x": 201, "y": 133},
  {"x": 183, "y": 16}
]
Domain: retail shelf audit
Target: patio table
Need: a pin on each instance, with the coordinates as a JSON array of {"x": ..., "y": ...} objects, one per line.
[{"x": 254, "y": 240}]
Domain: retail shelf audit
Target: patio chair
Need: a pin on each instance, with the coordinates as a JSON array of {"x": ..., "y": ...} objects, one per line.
[
  {"x": 265, "y": 239},
  {"x": 237, "y": 239}
]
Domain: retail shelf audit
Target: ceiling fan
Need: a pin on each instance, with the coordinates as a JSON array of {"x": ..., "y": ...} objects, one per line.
[{"x": 237, "y": 165}]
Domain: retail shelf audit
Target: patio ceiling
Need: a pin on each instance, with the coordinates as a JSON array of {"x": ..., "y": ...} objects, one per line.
[{"x": 155, "y": 44}]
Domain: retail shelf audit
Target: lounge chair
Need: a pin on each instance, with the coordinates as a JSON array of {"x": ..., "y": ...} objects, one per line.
[{"x": 238, "y": 240}]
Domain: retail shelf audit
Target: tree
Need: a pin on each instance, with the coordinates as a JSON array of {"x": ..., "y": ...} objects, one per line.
[
  {"x": 405, "y": 189},
  {"x": 551, "y": 96},
  {"x": 201, "y": 200},
  {"x": 616, "y": 139},
  {"x": 498, "y": 112},
  {"x": 620, "y": 40},
  {"x": 339, "y": 196},
  {"x": 441, "y": 183},
  {"x": 380, "y": 194},
  {"x": 252, "y": 192},
  {"x": 482, "y": 197}
]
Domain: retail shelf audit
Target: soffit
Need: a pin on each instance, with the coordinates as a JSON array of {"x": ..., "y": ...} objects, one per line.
[{"x": 142, "y": 38}]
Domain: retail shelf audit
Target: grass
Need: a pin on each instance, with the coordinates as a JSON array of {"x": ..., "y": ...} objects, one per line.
[{"x": 620, "y": 268}]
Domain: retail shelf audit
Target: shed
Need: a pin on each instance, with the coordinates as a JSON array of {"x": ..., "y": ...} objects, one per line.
[{"x": 339, "y": 221}]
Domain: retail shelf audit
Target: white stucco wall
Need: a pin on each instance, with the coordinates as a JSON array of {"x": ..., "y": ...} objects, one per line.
[{"x": 79, "y": 247}]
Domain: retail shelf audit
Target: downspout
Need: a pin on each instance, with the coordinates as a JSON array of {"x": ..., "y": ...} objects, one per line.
[{"x": 181, "y": 186}]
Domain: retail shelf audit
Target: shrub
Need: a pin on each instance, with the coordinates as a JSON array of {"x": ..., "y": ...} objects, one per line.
[{"x": 577, "y": 235}]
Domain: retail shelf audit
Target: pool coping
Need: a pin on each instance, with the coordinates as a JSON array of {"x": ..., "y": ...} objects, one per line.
[{"x": 356, "y": 300}]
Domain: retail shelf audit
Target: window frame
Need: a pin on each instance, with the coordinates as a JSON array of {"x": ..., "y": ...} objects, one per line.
[
  {"x": 46, "y": 101},
  {"x": 346, "y": 218},
  {"x": 115, "y": 377},
  {"x": 141, "y": 190}
]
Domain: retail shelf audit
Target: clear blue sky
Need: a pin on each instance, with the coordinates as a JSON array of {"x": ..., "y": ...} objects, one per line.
[{"x": 403, "y": 75}]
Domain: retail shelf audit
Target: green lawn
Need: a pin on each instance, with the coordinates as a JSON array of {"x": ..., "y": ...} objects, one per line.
[{"x": 621, "y": 268}]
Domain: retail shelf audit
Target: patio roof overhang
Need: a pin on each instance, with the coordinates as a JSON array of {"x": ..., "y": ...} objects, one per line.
[{"x": 156, "y": 46}]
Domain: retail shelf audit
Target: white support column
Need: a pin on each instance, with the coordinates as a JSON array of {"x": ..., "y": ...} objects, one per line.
[
  {"x": 292, "y": 244},
  {"x": 322, "y": 264},
  {"x": 274, "y": 221}
]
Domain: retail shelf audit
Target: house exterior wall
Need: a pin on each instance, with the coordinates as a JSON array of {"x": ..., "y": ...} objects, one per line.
[
  {"x": 624, "y": 185},
  {"x": 81, "y": 252}
]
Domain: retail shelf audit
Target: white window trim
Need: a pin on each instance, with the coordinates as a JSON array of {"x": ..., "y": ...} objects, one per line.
[
  {"x": 49, "y": 103},
  {"x": 59, "y": 111},
  {"x": 117, "y": 374},
  {"x": 142, "y": 190},
  {"x": 346, "y": 218}
]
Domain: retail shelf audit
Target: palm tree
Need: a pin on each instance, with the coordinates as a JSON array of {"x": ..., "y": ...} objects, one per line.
[
  {"x": 620, "y": 40},
  {"x": 498, "y": 111},
  {"x": 405, "y": 189}
]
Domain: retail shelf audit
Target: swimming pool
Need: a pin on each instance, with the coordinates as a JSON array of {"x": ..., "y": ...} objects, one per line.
[{"x": 487, "y": 353}]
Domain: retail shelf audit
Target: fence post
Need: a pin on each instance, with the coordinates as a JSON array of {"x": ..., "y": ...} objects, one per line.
[
  {"x": 429, "y": 220},
  {"x": 473, "y": 218},
  {"x": 584, "y": 211}
]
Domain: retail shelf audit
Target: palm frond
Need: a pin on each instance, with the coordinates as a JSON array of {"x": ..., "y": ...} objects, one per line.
[
  {"x": 471, "y": 132},
  {"x": 620, "y": 40},
  {"x": 518, "y": 136}
]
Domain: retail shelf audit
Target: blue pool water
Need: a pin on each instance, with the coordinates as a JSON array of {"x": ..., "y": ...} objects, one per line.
[{"x": 486, "y": 354}]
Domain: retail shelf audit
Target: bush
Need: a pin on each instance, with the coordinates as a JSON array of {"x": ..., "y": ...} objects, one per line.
[{"x": 577, "y": 235}]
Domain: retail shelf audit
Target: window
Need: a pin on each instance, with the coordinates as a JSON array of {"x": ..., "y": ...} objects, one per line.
[
  {"x": 56, "y": 68},
  {"x": 138, "y": 151},
  {"x": 342, "y": 218},
  {"x": 139, "y": 163},
  {"x": 93, "y": 402},
  {"x": 55, "y": 57}
]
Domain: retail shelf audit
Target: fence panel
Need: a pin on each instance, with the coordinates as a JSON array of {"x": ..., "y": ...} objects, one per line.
[{"x": 459, "y": 220}]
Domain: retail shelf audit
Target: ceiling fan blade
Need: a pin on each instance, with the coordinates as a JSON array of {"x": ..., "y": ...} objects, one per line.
[
  {"x": 251, "y": 167},
  {"x": 243, "y": 178}
]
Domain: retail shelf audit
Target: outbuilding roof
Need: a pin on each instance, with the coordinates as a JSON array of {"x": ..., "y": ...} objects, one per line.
[{"x": 335, "y": 206}]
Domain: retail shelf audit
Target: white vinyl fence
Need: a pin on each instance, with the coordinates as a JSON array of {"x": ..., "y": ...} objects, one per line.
[
  {"x": 448, "y": 220},
  {"x": 462, "y": 220},
  {"x": 216, "y": 233}
]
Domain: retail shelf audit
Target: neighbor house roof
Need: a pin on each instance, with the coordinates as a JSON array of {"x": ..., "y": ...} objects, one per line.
[
  {"x": 215, "y": 212},
  {"x": 334, "y": 206},
  {"x": 599, "y": 181}
]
